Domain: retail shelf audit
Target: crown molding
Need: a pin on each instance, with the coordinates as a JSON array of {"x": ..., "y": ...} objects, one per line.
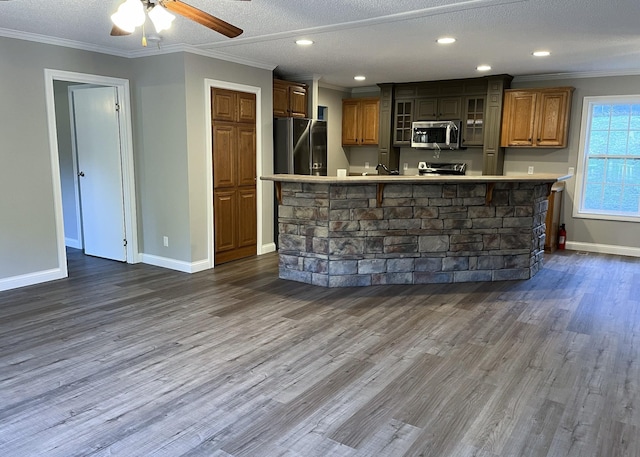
[
  {"x": 577, "y": 75},
  {"x": 44, "y": 39},
  {"x": 143, "y": 52}
]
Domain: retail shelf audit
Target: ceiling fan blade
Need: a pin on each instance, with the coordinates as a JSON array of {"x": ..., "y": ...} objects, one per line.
[
  {"x": 117, "y": 31},
  {"x": 199, "y": 16}
]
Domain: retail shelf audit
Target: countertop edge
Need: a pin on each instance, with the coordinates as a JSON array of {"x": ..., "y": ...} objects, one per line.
[{"x": 373, "y": 179}]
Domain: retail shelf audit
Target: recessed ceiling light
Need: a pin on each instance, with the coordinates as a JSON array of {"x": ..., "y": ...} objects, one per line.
[
  {"x": 359, "y": 78},
  {"x": 541, "y": 53},
  {"x": 483, "y": 67},
  {"x": 304, "y": 42},
  {"x": 446, "y": 40}
]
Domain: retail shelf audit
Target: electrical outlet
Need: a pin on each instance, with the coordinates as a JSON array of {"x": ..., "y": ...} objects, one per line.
[
  {"x": 366, "y": 164},
  {"x": 571, "y": 171},
  {"x": 405, "y": 166},
  {"x": 165, "y": 241},
  {"x": 530, "y": 171}
]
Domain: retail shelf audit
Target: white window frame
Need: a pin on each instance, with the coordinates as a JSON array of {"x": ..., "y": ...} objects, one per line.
[{"x": 578, "y": 211}]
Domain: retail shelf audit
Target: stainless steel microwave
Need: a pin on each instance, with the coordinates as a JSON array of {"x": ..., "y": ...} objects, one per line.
[{"x": 436, "y": 134}]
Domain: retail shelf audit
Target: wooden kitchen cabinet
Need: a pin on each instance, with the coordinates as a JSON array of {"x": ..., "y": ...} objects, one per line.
[
  {"x": 536, "y": 118},
  {"x": 360, "y": 121},
  {"x": 232, "y": 106},
  {"x": 289, "y": 99}
]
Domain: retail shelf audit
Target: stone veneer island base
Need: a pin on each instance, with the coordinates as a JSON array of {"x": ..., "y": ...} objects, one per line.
[{"x": 374, "y": 230}]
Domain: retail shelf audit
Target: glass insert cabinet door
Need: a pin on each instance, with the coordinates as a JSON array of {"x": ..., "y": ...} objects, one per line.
[
  {"x": 403, "y": 119},
  {"x": 473, "y": 122}
]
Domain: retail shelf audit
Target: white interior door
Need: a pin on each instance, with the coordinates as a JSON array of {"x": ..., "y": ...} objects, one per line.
[{"x": 97, "y": 139}]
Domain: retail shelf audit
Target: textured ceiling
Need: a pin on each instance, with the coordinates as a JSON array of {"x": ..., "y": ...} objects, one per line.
[{"x": 388, "y": 41}]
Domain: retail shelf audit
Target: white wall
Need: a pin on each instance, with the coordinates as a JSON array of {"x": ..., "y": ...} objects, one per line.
[
  {"x": 28, "y": 237},
  {"x": 167, "y": 94}
]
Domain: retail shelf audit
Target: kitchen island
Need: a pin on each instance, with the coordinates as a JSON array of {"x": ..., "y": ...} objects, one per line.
[{"x": 373, "y": 230}]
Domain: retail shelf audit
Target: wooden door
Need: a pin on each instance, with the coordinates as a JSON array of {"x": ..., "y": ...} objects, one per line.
[
  {"x": 552, "y": 121},
  {"x": 280, "y": 98},
  {"x": 234, "y": 179},
  {"x": 370, "y": 121},
  {"x": 298, "y": 101},
  {"x": 223, "y": 105},
  {"x": 350, "y": 125},
  {"x": 519, "y": 118}
]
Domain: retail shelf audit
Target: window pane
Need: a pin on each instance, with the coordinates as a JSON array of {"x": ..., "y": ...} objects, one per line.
[
  {"x": 620, "y": 117},
  {"x": 600, "y": 117},
  {"x": 633, "y": 148},
  {"x": 615, "y": 170},
  {"x": 617, "y": 143},
  {"x": 612, "y": 197},
  {"x": 593, "y": 197},
  {"x": 598, "y": 142},
  {"x": 632, "y": 175},
  {"x": 595, "y": 170},
  {"x": 631, "y": 199},
  {"x": 635, "y": 117}
]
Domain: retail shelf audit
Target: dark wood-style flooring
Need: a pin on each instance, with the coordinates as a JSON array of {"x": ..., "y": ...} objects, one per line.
[{"x": 134, "y": 360}]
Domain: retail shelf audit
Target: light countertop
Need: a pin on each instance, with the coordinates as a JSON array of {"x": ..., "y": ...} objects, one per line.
[{"x": 387, "y": 179}]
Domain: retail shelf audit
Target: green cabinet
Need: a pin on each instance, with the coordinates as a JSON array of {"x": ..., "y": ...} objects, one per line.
[
  {"x": 433, "y": 109},
  {"x": 473, "y": 121},
  {"x": 402, "y": 125},
  {"x": 387, "y": 153},
  {"x": 477, "y": 102}
]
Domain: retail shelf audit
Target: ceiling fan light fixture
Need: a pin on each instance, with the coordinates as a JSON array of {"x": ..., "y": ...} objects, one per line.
[
  {"x": 161, "y": 18},
  {"x": 130, "y": 15}
]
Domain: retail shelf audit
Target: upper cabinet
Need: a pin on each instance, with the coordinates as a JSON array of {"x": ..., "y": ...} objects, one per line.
[
  {"x": 289, "y": 99},
  {"x": 360, "y": 121},
  {"x": 435, "y": 109},
  {"x": 536, "y": 118},
  {"x": 231, "y": 106}
]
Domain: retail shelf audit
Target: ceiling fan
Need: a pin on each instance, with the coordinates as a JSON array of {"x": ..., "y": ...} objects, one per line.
[{"x": 131, "y": 13}]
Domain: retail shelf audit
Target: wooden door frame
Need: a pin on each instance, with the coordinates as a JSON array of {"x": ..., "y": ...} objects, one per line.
[
  {"x": 126, "y": 144},
  {"x": 217, "y": 84}
]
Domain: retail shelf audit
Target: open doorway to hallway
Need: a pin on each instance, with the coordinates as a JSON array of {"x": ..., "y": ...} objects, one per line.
[{"x": 91, "y": 154}]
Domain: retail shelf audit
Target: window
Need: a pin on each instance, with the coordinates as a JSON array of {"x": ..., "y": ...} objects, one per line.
[{"x": 608, "y": 179}]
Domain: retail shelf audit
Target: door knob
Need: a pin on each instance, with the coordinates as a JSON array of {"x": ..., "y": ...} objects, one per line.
[{"x": 81, "y": 174}]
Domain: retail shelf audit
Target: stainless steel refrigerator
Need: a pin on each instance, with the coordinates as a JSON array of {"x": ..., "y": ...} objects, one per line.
[{"x": 300, "y": 146}]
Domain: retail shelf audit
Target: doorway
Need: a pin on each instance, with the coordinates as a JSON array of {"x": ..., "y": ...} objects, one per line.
[{"x": 122, "y": 184}]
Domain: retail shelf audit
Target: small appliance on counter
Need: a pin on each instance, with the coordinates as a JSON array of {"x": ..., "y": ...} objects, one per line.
[{"x": 429, "y": 168}]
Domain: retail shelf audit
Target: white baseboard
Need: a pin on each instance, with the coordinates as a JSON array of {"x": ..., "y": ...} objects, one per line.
[
  {"x": 603, "y": 248},
  {"x": 71, "y": 243},
  {"x": 31, "y": 278},
  {"x": 173, "y": 264},
  {"x": 267, "y": 248}
]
